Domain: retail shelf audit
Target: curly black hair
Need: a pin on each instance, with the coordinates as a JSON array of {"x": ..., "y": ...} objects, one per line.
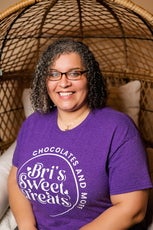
[{"x": 96, "y": 85}]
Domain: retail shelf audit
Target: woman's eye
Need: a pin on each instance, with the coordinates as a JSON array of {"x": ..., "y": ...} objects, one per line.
[
  {"x": 74, "y": 74},
  {"x": 54, "y": 74}
]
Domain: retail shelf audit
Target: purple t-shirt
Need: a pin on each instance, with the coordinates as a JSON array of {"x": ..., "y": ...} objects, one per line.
[{"x": 68, "y": 176}]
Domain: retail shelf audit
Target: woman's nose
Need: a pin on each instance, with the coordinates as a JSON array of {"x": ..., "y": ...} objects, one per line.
[{"x": 64, "y": 82}]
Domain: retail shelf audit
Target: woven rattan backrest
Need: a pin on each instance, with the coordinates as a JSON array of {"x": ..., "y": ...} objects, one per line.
[{"x": 118, "y": 32}]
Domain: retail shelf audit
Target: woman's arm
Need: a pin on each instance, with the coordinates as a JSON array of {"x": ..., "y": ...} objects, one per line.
[
  {"x": 128, "y": 209},
  {"x": 20, "y": 206}
]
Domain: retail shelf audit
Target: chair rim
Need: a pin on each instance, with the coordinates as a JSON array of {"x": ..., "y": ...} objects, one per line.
[{"x": 125, "y": 3}]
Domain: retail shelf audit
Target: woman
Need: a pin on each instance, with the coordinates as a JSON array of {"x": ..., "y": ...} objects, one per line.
[{"x": 77, "y": 164}]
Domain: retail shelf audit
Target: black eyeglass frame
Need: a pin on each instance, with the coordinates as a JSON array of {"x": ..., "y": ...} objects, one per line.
[{"x": 76, "y": 78}]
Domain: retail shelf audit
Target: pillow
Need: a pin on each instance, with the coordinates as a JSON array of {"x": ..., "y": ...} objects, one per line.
[
  {"x": 126, "y": 98},
  {"x": 5, "y": 166},
  {"x": 28, "y": 110},
  {"x": 6, "y": 158},
  {"x": 8, "y": 222}
]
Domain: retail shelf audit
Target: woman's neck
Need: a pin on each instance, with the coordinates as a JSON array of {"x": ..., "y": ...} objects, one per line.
[{"x": 69, "y": 120}]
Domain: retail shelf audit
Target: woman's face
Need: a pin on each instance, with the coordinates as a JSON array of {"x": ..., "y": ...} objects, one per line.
[{"x": 68, "y": 95}]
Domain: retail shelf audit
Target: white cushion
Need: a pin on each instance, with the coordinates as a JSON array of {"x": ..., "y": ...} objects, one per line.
[
  {"x": 28, "y": 110},
  {"x": 6, "y": 158},
  {"x": 126, "y": 98},
  {"x": 5, "y": 166},
  {"x": 8, "y": 222}
]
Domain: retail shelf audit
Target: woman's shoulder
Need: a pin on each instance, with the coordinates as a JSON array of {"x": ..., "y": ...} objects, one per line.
[
  {"x": 110, "y": 117},
  {"x": 116, "y": 123},
  {"x": 39, "y": 116},
  {"x": 38, "y": 119},
  {"x": 110, "y": 113}
]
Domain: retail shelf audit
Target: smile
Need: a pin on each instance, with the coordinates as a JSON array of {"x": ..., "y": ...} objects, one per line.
[{"x": 65, "y": 93}]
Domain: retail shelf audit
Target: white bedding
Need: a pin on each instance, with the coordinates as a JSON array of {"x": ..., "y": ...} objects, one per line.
[{"x": 8, "y": 222}]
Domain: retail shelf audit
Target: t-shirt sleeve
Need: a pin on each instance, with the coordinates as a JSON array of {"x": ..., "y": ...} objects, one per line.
[
  {"x": 128, "y": 168},
  {"x": 18, "y": 151}
]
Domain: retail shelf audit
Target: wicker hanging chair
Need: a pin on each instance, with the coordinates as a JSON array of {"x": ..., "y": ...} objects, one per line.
[{"x": 119, "y": 32}]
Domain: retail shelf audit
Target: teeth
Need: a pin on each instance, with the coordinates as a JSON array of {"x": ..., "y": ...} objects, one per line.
[{"x": 65, "y": 93}]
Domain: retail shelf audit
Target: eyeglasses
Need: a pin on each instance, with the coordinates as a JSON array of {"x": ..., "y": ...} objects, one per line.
[{"x": 73, "y": 75}]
